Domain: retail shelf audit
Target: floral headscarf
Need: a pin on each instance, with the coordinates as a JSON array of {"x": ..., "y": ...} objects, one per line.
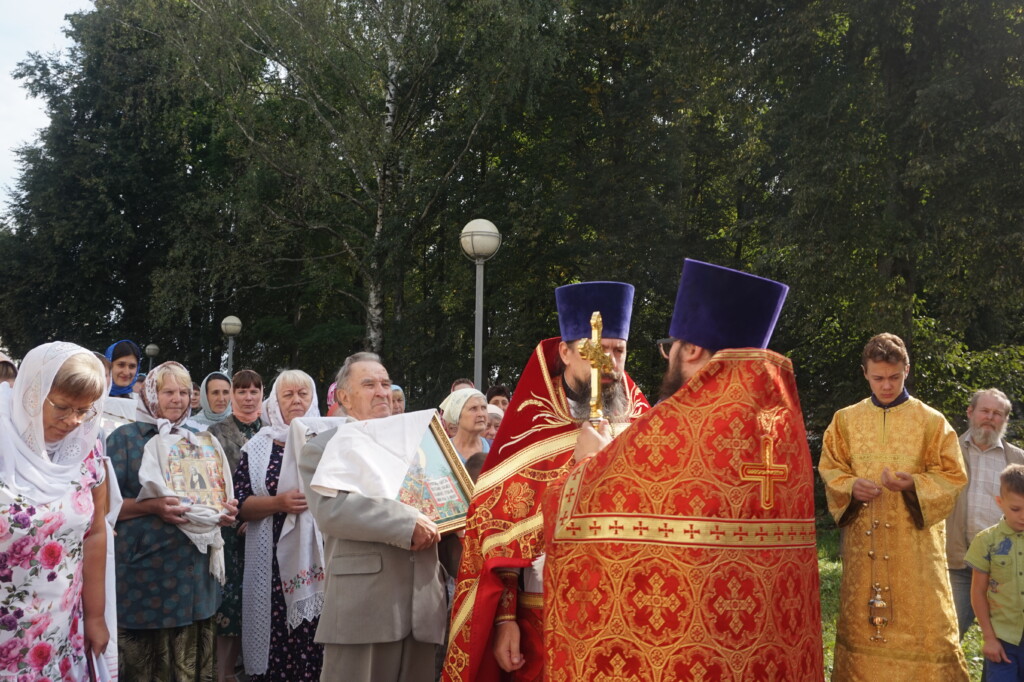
[{"x": 148, "y": 410}]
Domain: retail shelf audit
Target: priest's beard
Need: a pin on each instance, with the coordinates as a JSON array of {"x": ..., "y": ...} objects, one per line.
[
  {"x": 614, "y": 401},
  {"x": 673, "y": 379},
  {"x": 986, "y": 438}
]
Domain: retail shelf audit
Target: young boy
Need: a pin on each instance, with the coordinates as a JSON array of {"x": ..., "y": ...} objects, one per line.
[{"x": 997, "y": 593}]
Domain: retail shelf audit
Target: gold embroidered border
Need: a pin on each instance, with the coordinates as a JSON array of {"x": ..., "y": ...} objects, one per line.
[
  {"x": 460, "y": 617},
  {"x": 532, "y": 454},
  {"x": 524, "y": 459},
  {"x": 675, "y": 530},
  {"x": 531, "y": 600},
  {"x": 751, "y": 354},
  {"x": 528, "y": 525}
]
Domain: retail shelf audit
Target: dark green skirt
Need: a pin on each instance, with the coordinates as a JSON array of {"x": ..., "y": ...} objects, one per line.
[
  {"x": 229, "y": 616},
  {"x": 183, "y": 654}
]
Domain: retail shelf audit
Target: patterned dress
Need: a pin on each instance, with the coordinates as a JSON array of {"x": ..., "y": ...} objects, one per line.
[
  {"x": 232, "y": 435},
  {"x": 166, "y": 596},
  {"x": 41, "y": 626},
  {"x": 294, "y": 656}
]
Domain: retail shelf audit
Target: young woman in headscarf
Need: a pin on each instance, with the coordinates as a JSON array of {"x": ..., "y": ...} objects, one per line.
[
  {"x": 52, "y": 501},
  {"x": 125, "y": 360},
  {"x": 278, "y": 627},
  {"x": 169, "y": 552},
  {"x": 214, "y": 402},
  {"x": 233, "y": 433}
]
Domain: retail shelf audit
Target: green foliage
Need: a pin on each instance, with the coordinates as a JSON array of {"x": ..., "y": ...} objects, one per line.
[{"x": 307, "y": 167}]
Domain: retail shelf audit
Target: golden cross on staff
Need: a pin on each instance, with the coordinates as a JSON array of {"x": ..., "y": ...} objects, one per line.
[{"x": 591, "y": 351}]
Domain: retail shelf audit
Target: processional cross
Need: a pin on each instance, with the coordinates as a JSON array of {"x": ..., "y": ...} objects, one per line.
[{"x": 591, "y": 351}]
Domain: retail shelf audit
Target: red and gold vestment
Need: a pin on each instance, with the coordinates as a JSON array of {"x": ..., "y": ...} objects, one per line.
[
  {"x": 504, "y": 529},
  {"x": 685, "y": 549}
]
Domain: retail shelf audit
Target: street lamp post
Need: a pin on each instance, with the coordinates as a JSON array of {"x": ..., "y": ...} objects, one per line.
[
  {"x": 231, "y": 326},
  {"x": 480, "y": 240},
  {"x": 152, "y": 350}
]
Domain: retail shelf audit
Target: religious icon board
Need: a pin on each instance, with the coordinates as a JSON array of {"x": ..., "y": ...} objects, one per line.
[
  {"x": 437, "y": 482},
  {"x": 194, "y": 473}
]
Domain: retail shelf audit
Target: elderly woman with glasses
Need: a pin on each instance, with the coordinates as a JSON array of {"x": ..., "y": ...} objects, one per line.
[{"x": 52, "y": 502}]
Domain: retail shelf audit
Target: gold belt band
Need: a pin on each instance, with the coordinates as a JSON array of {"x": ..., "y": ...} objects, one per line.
[
  {"x": 531, "y": 600},
  {"x": 672, "y": 530}
]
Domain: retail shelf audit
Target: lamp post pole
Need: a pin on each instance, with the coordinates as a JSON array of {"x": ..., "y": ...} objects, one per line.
[
  {"x": 152, "y": 350},
  {"x": 478, "y": 331},
  {"x": 480, "y": 240},
  {"x": 231, "y": 326}
]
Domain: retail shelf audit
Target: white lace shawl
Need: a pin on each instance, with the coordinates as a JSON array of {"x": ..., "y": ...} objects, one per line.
[{"x": 259, "y": 537}]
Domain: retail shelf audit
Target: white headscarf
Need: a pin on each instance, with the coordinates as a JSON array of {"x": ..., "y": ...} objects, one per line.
[
  {"x": 259, "y": 536},
  {"x": 30, "y": 467},
  {"x": 453, "y": 404}
]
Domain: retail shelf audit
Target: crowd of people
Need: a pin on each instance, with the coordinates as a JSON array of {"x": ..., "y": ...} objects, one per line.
[{"x": 156, "y": 528}]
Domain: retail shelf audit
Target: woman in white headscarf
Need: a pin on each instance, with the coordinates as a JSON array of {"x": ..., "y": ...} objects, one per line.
[
  {"x": 168, "y": 549},
  {"x": 278, "y": 627},
  {"x": 465, "y": 410},
  {"x": 52, "y": 501}
]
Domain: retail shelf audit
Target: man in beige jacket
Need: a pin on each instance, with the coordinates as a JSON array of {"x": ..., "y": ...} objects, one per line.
[{"x": 384, "y": 603}]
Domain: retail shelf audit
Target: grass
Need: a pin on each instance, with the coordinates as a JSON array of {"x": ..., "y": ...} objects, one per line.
[{"x": 831, "y": 571}]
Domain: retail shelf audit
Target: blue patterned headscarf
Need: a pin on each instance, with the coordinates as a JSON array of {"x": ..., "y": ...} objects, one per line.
[{"x": 116, "y": 390}]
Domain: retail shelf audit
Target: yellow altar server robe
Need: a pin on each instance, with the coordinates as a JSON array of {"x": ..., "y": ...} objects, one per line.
[{"x": 909, "y": 528}]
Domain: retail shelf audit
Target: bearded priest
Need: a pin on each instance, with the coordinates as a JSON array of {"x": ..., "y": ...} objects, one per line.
[
  {"x": 685, "y": 548},
  {"x": 497, "y": 613}
]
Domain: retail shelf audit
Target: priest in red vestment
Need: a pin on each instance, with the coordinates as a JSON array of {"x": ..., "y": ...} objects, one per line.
[
  {"x": 685, "y": 549},
  {"x": 496, "y": 626}
]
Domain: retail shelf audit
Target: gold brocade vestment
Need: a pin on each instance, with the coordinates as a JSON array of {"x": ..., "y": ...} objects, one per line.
[
  {"x": 684, "y": 550},
  {"x": 921, "y": 635},
  {"x": 504, "y": 525}
]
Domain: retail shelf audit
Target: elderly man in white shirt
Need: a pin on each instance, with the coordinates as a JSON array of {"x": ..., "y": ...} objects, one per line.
[{"x": 986, "y": 454}]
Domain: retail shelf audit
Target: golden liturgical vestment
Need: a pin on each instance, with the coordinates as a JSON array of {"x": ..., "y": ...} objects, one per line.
[
  {"x": 920, "y": 639},
  {"x": 685, "y": 549}
]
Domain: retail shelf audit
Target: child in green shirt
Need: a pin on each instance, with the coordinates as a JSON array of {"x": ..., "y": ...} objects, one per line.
[{"x": 997, "y": 589}]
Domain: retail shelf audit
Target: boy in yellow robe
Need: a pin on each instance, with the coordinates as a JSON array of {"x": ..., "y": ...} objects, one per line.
[{"x": 892, "y": 470}]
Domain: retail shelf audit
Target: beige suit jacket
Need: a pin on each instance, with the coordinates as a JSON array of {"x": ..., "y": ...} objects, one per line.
[{"x": 377, "y": 589}]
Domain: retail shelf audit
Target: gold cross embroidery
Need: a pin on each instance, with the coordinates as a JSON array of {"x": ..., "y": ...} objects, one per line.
[{"x": 766, "y": 472}]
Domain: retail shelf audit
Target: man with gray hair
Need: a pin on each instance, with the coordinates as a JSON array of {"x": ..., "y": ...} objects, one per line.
[
  {"x": 384, "y": 601},
  {"x": 986, "y": 454}
]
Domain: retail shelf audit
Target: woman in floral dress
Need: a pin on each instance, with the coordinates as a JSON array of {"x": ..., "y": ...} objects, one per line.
[
  {"x": 52, "y": 496},
  {"x": 272, "y": 650}
]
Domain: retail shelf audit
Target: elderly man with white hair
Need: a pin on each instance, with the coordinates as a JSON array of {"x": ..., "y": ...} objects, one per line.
[
  {"x": 384, "y": 602},
  {"x": 986, "y": 454}
]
